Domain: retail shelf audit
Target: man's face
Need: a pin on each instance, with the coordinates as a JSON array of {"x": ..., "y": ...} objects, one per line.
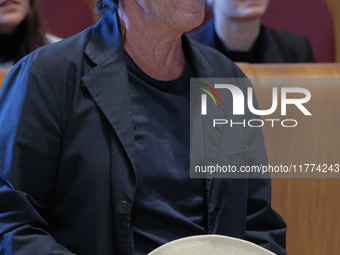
[
  {"x": 12, "y": 13},
  {"x": 183, "y": 15},
  {"x": 241, "y": 9}
]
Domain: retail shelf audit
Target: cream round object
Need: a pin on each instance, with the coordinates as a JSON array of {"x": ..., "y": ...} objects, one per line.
[{"x": 211, "y": 245}]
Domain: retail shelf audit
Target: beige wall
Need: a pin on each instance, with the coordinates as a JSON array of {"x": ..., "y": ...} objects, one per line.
[
  {"x": 310, "y": 207},
  {"x": 334, "y": 6}
]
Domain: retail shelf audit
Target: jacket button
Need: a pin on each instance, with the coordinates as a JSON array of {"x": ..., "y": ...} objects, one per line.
[{"x": 123, "y": 207}]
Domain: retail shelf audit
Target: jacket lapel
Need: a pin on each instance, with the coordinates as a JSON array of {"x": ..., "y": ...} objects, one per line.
[
  {"x": 107, "y": 82},
  {"x": 206, "y": 136},
  {"x": 203, "y": 140}
]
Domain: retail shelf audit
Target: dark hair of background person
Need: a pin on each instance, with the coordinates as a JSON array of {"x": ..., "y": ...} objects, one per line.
[
  {"x": 103, "y": 6},
  {"x": 29, "y": 35}
]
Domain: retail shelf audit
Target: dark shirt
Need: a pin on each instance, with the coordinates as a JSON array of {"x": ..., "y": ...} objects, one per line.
[
  {"x": 251, "y": 56},
  {"x": 271, "y": 46},
  {"x": 168, "y": 204}
]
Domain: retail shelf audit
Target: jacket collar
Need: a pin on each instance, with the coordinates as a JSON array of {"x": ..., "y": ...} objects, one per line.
[
  {"x": 107, "y": 82},
  {"x": 201, "y": 67},
  {"x": 106, "y": 39}
]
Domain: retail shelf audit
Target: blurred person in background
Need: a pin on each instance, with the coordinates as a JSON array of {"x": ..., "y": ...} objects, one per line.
[
  {"x": 21, "y": 30},
  {"x": 237, "y": 32}
]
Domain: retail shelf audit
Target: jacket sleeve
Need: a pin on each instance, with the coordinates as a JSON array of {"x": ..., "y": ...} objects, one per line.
[{"x": 30, "y": 135}]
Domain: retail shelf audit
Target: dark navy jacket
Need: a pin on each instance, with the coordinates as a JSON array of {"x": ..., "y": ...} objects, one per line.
[
  {"x": 67, "y": 153},
  {"x": 272, "y": 46}
]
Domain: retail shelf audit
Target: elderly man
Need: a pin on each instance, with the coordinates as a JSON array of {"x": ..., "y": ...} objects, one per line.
[
  {"x": 236, "y": 31},
  {"x": 94, "y": 142}
]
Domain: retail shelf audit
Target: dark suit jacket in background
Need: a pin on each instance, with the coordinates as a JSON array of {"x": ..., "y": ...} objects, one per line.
[
  {"x": 272, "y": 46},
  {"x": 67, "y": 153}
]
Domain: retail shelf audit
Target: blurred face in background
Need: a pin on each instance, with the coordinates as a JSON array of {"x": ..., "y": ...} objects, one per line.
[
  {"x": 240, "y": 9},
  {"x": 12, "y": 13}
]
